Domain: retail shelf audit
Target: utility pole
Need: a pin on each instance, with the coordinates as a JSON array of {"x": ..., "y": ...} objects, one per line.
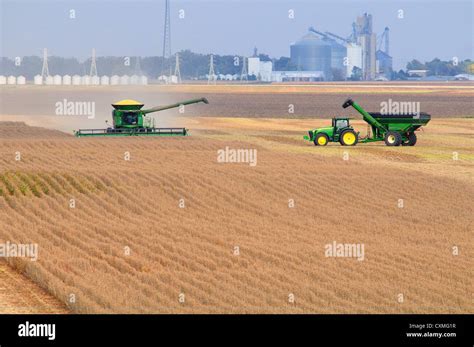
[
  {"x": 212, "y": 76},
  {"x": 244, "y": 74},
  {"x": 138, "y": 69},
  {"x": 166, "y": 39},
  {"x": 45, "y": 70},
  {"x": 93, "y": 71},
  {"x": 177, "y": 72}
]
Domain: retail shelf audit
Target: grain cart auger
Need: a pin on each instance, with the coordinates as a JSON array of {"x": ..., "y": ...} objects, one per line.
[
  {"x": 394, "y": 129},
  {"x": 130, "y": 120}
]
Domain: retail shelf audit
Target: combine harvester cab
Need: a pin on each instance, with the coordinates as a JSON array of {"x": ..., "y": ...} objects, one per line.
[
  {"x": 130, "y": 120},
  {"x": 394, "y": 130}
]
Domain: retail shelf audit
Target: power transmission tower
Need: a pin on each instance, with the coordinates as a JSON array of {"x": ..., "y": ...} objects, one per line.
[
  {"x": 93, "y": 71},
  {"x": 45, "y": 70},
  {"x": 138, "y": 69},
  {"x": 166, "y": 38},
  {"x": 177, "y": 72},
  {"x": 244, "y": 73},
  {"x": 212, "y": 76}
]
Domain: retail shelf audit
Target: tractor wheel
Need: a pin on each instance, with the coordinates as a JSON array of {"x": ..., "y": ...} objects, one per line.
[
  {"x": 348, "y": 138},
  {"x": 321, "y": 140},
  {"x": 393, "y": 138},
  {"x": 411, "y": 140}
]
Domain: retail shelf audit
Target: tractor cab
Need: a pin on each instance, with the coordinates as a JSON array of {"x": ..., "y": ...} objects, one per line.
[
  {"x": 127, "y": 114},
  {"x": 340, "y": 123}
]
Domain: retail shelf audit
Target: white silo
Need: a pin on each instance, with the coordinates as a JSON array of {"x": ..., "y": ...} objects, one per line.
[
  {"x": 76, "y": 80},
  {"x": 67, "y": 80},
  {"x": 86, "y": 80},
  {"x": 95, "y": 80},
  {"x": 134, "y": 79},
  {"x": 114, "y": 80},
  {"x": 3, "y": 79},
  {"x": 143, "y": 80},
  {"x": 21, "y": 80},
  {"x": 49, "y": 80},
  {"x": 125, "y": 79},
  {"x": 38, "y": 79},
  {"x": 105, "y": 80},
  {"x": 11, "y": 80},
  {"x": 57, "y": 80}
]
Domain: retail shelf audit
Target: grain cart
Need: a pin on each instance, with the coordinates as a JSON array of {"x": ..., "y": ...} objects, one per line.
[
  {"x": 130, "y": 120},
  {"x": 394, "y": 129}
]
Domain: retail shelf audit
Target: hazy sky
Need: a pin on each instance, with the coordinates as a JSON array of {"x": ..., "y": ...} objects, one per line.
[{"x": 429, "y": 29}]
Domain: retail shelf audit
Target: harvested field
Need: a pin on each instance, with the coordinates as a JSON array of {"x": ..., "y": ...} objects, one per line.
[
  {"x": 19, "y": 295},
  {"x": 267, "y": 101},
  {"x": 129, "y": 245}
]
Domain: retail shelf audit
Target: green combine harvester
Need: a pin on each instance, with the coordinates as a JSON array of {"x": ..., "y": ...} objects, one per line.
[
  {"x": 395, "y": 130},
  {"x": 130, "y": 120}
]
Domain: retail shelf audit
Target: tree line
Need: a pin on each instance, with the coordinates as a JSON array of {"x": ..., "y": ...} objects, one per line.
[{"x": 192, "y": 66}]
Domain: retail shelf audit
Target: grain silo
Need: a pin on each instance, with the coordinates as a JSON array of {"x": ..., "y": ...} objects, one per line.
[
  {"x": 76, "y": 80},
  {"x": 114, "y": 80},
  {"x": 86, "y": 80},
  {"x": 95, "y": 80},
  {"x": 338, "y": 55},
  {"x": 311, "y": 53},
  {"x": 124, "y": 80},
  {"x": 21, "y": 80},
  {"x": 134, "y": 79},
  {"x": 57, "y": 80},
  {"x": 67, "y": 80},
  {"x": 11, "y": 80},
  {"x": 105, "y": 80},
  {"x": 38, "y": 79}
]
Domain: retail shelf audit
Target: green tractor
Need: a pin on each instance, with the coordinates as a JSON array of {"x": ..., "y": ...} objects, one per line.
[
  {"x": 339, "y": 131},
  {"x": 130, "y": 120},
  {"x": 394, "y": 130}
]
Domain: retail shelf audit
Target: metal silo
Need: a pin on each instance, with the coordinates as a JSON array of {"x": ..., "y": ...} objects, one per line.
[
  {"x": 338, "y": 54},
  {"x": 312, "y": 54}
]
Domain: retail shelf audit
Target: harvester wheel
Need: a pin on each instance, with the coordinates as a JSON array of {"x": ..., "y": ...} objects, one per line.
[
  {"x": 393, "y": 138},
  {"x": 411, "y": 140},
  {"x": 348, "y": 138},
  {"x": 321, "y": 139}
]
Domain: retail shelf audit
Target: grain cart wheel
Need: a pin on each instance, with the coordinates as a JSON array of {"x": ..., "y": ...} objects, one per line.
[
  {"x": 321, "y": 140},
  {"x": 393, "y": 138},
  {"x": 411, "y": 140},
  {"x": 348, "y": 138}
]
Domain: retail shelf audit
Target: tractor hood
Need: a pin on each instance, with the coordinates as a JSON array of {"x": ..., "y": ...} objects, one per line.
[
  {"x": 312, "y": 133},
  {"x": 324, "y": 130}
]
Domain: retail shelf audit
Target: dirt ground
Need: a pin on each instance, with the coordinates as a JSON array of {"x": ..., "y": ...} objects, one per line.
[
  {"x": 21, "y": 295},
  {"x": 174, "y": 230},
  {"x": 266, "y": 101}
]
